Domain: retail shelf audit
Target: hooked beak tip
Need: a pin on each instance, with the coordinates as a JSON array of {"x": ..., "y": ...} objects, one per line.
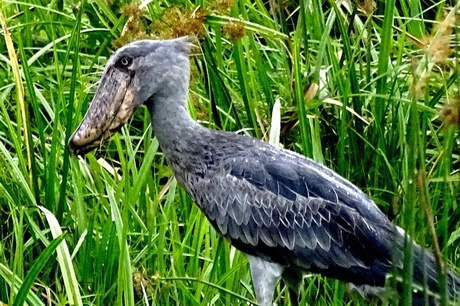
[
  {"x": 74, "y": 149},
  {"x": 77, "y": 148}
]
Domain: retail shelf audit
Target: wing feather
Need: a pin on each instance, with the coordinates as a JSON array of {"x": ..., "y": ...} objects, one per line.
[{"x": 289, "y": 208}]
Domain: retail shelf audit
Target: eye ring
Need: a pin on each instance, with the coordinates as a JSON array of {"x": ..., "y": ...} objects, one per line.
[{"x": 125, "y": 61}]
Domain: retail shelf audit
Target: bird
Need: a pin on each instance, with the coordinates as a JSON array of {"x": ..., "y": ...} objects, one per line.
[{"x": 289, "y": 214}]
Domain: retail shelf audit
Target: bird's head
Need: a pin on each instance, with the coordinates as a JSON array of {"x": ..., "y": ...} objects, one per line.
[{"x": 133, "y": 75}]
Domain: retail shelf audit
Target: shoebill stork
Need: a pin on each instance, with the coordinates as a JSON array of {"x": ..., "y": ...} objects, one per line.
[{"x": 289, "y": 214}]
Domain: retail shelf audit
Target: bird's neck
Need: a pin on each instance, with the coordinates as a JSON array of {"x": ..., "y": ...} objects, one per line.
[
  {"x": 179, "y": 136},
  {"x": 171, "y": 122}
]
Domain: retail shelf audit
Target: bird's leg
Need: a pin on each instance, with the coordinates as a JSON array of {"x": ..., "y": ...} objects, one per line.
[
  {"x": 294, "y": 280},
  {"x": 265, "y": 277}
]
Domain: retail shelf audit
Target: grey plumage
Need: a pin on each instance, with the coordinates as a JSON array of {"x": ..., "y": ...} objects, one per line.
[{"x": 290, "y": 214}]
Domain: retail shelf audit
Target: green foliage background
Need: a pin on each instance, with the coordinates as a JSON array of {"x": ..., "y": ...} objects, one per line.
[{"x": 370, "y": 89}]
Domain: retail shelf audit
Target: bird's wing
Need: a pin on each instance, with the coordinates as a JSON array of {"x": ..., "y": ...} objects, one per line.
[{"x": 279, "y": 200}]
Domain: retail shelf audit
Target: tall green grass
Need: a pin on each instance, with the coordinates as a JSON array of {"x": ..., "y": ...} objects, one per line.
[{"x": 360, "y": 91}]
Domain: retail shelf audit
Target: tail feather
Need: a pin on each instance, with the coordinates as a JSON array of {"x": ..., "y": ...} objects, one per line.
[
  {"x": 426, "y": 274},
  {"x": 425, "y": 278},
  {"x": 426, "y": 289}
]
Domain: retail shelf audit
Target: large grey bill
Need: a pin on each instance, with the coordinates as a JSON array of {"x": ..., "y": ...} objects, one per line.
[{"x": 111, "y": 107}]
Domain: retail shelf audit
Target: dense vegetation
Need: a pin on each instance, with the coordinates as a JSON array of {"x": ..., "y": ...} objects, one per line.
[{"x": 367, "y": 88}]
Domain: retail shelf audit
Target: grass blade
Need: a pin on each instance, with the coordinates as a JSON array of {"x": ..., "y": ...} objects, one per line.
[{"x": 40, "y": 262}]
